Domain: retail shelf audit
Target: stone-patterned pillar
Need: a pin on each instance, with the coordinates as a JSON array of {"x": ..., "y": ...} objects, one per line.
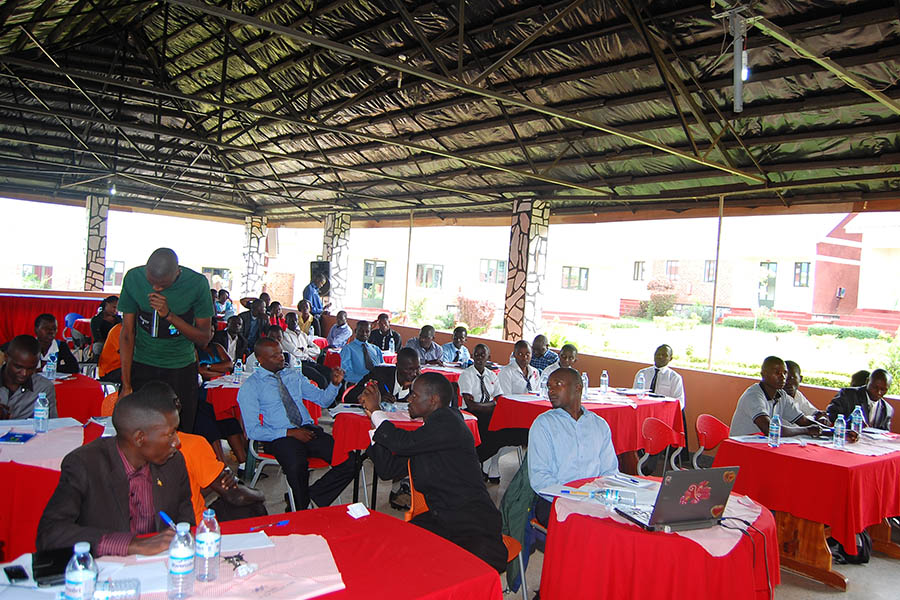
[
  {"x": 97, "y": 209},
  {"x": 335, "y": 250},
  {"x": 255, "y": 256},
  {"x": 526, "y": 268}
]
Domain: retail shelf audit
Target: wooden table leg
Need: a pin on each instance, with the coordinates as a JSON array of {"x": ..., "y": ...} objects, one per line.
[
  {"x": 803, "y": 548},
  {"x": 628, "y": 463},
  {"x": 881, "y": 539}
]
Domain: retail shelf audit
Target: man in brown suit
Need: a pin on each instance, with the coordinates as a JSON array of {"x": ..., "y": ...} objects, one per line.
[{"x": 111, "y": 490}]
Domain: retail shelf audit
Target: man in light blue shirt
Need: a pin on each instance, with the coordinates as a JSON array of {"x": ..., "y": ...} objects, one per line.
[
  {"x": 271, "y": 402},
  {"x": 359, "y": 356},
  {"x": 429, "y": 352},
  {"x": 456, "y": 351},
  {"x": 340, "y": 332},
  {"x": 567, "y": 442}
]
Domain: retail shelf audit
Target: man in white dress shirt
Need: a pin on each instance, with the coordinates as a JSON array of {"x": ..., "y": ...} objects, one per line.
[
  {"x": 479, "y": 387},
  {"x": 568, "y": 356},
  {"x": 519, "y": 377},
  {"x": 661, "y": 379}
]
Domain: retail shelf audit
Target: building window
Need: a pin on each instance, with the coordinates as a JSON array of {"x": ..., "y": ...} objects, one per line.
[
  {"x": 638, "y": 274},
  {"x": 672, "y": 270},
  {"x": 575, "y": 278},
  {"x": 429, "y": 276},
  {"x": 492, "y": 271},
  {"x": 709, "y": 271},
  {"x": 219, "y": 279},
  {"x": 37, "y": 276},
  {"x": 115, "y": 271},
  {"x": 801, "y": 274}
]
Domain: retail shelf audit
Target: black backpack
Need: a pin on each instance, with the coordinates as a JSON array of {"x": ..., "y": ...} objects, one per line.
[{"x": 863, "y": 550}]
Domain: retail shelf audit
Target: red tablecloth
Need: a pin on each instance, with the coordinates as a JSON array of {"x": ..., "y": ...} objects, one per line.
[
  {"x": 221, "y": 325},
  {"x": 26, "y": 491},
  {"x": 17, "y": 313},
  {"x": 624, "y": 421},
  {"x": 847, "y": 491},
  {"x": 83, "y": 326},
  {"x": 425, "y": 566},
  {"x": 79, "y": 398},
  {"x": 587, "y": 557},
  {"x": 333, "y": 357},
  {"x": 321, "y": 342},
  {"x": 351, "y": 432},
  {"x": 225, "y": 404}
]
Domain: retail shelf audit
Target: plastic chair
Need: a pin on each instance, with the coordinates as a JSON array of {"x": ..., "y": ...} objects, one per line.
[
  {"x": 109, "y": 403},
  {"x": 710, "y": 433},
  {"x": 69, "y": 319},
  {"x": 658, "y": 437},
  {"x": 417, "y": 506},
  {"x": 264, "y": 460}
]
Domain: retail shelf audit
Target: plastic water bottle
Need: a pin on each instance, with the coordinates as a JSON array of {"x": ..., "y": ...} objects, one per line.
[
  {"x": 840, "y": 432},
  {"x": 207, "y": 547},
  {"x": 238, "y": 371},
  {"x": 775, "y": 431},
  {"x": 41, "y": 413},
  {"x": 856, "y": 420},
  {"x": 391, "y": 344},
  {"x": 181, "y": 564},
  {"x": 50, "y": 367},
  {"x": 641, "y": 383},
  {"x": 604, "y": 381},
  {"x": 118, "y": 589},
  {"x": 585, "y": 383},
  {"x": 545, "y": 388},
  {"x": 615, "y": 496},
  {"x": 81, "y": 574}
]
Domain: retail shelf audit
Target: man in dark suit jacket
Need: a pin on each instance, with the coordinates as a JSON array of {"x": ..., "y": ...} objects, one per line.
[
  {"x": 232, "y": 336},
  {"x": 394, "y": 383},
  {"x": 111, "y": 490},
  {"x": 876, "y": 411},
  {"x": 254, "y": 323}
]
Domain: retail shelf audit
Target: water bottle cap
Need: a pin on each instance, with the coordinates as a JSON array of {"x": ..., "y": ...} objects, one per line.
[
  {"x": 42, "y": 395},
  {"x": 82, "y": 547},
  {"x": 209, "y": 514},
  {"x": 182, "y": 528}
]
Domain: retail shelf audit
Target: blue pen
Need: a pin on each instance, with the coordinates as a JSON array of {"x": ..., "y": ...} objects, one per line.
[
  {"x": 167, "y": 519},
  {"x": 384, "y": 385},
  {"x": 278, "y": 524}
]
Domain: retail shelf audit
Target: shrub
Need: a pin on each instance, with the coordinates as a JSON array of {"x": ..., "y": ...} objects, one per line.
[
  {"x": 674, "y": 323},
  {"x": 862, "y": 333},
  {"x": 446, "y": 321},
  {"x": 476, "y": 330},
  {"x": 416, "y": 313},
  {"x": 662, "y": 298},
  {"x": 477, "y": 313},
  {"x": 624, "y": 325},
  {"x": 766, "y": 324}
]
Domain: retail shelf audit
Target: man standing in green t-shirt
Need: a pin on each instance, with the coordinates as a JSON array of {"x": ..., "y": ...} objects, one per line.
[{"x": 166, "y": 310}]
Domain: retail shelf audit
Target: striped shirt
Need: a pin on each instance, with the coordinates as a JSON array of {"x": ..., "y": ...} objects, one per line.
[{"x": 140, "y": 510}]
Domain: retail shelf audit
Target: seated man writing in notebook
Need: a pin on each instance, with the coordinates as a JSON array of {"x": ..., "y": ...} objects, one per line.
[
  {"x": 441, "y": 459},
  {"x": 567, "y": 442},
  {"x": 112, "y": 490}
]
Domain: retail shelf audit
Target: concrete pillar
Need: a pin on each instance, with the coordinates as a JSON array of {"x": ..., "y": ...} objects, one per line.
[
  {"x": 526, "y": 269},
  {"x": 97, "y": 209},
  {"x": 255, "y": 256},
  {"x": 336, "y": 251}
]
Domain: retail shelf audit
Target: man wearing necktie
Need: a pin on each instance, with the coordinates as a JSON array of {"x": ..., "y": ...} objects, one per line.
[
  {"x": 455, "y": 351},
  {"x": 519, "y": 377},
  {"x": 359, "y": 356},
  {"x": 661, "y": 379},
  {"x": 271, "y": 402},
  {"x": 876, "y": 411},
  {"x": 479, "y": 387}
]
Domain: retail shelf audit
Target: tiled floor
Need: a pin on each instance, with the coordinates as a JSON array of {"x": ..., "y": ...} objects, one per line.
[{"x": 878, "y": 580}]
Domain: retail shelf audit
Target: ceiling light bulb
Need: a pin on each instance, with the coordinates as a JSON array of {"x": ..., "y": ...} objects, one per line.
[{"x": 745, "y": 68}]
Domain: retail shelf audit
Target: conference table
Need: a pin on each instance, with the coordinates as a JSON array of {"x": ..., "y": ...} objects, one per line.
[
  {"x": 591, "y": 553},
  {"x": 332, "y": 358},
  {"x": 625, "y": 415},
  {"x": 818, "y": 491},
  {"x": 78, "y": 396},
  {"x": 30, "y": 473}
]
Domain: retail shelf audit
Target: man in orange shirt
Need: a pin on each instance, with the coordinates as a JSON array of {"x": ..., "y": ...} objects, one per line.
[
  {"x": 109, "y": 365},
  {"x": 208, "y": 474}
]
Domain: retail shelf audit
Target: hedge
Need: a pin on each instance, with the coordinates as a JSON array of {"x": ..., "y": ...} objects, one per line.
[
  {"x": 861, "y": 333},
  {"x": 764, "y": 324}
]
